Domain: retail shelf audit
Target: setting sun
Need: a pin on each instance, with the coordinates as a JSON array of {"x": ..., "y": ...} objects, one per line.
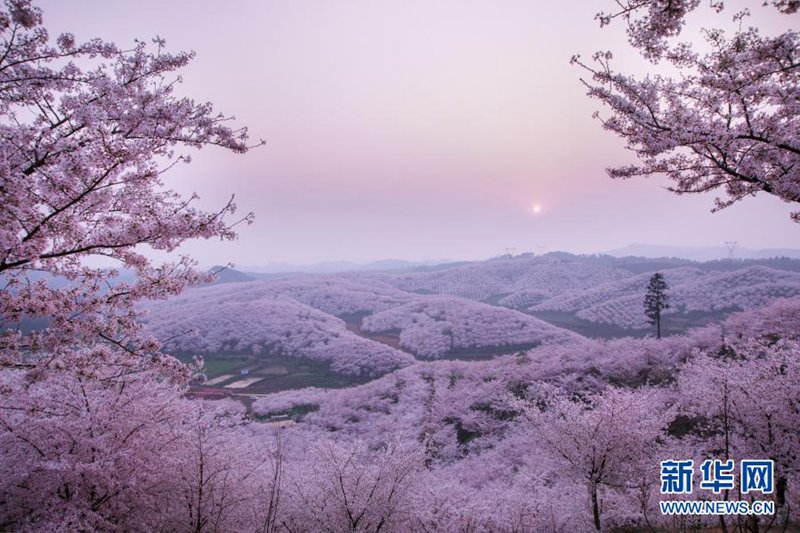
[{"x": 536, "y": 209}]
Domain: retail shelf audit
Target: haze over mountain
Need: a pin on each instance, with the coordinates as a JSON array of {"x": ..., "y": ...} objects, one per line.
[
  {"x": 702, "y": 253},
  {"x": 329, "y": 267},
  {"x": 644, "y": 250}
]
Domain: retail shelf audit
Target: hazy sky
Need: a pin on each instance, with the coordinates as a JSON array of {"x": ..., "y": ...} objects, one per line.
[{"x": 414, "y": 129}]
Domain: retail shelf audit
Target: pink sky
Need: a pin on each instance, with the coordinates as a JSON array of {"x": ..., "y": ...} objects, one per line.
[{"x": 413, "y": 129}]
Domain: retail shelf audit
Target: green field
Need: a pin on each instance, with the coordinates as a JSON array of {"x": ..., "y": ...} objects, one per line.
[{"x": 270, "y": 373}]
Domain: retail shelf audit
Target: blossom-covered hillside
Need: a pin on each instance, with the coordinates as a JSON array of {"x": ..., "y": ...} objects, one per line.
[
  {"x": 297, "y": 318},
  {"x": 244, "y": 323},
  {"x": 522, "y": 280},
  {"x": 691, "y": 290},
  {"x": 436, "y": 325},
  {"x": 608, "y": 291},
  {"x": 371, "y": 323}
]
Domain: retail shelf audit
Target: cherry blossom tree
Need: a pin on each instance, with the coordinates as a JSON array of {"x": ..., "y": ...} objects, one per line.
[
  {"x": 93, "y": 425},
  {"x": 607, "y": 441},
  {"x": 350, "y": 487},
  {"x": 225, "y": 479},
  {"x": 726, "y": 119},
  {"x": 88, "y": 130},
  {"x": 104, "y": 452},
  {"x": 746, "y": 399},
  {"x": 87, "y": 451}
]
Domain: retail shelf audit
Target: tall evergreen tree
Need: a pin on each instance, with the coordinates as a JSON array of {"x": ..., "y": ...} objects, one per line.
[{"x": 656, "y": 300}]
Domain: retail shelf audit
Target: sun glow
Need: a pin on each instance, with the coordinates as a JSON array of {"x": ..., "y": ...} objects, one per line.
[{"x": 536, "y": 209}]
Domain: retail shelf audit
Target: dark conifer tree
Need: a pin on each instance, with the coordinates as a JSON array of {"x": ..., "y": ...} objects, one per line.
[{"x": 656, "y": 300}]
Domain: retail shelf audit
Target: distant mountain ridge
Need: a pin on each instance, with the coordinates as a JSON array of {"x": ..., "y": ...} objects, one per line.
[
  {"x": 334, "y": 267},
  {"x": 632, "y": 263},
  {"x": 635, "y": 250},
  {"x": 229, "y": 275},
  {"x": 701, "y": 253}
]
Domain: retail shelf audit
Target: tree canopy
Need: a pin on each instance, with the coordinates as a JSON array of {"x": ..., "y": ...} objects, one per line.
[{"x": 726, "y": 120}]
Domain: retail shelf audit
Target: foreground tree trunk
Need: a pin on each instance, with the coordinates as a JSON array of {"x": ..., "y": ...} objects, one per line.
[{"x": 595, "y": 506}]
